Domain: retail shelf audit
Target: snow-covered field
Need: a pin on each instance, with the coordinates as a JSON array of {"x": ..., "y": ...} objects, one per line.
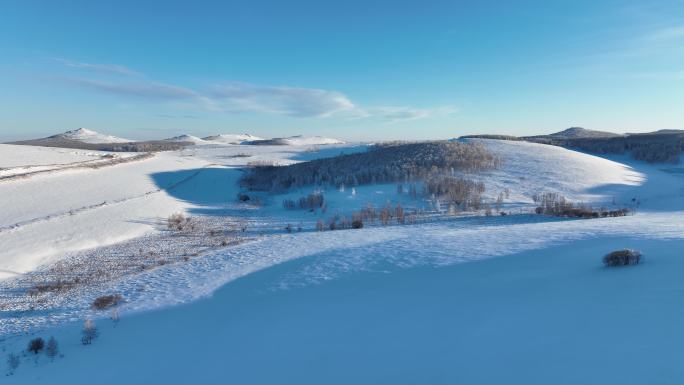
[{"x": 394, "y": 304}]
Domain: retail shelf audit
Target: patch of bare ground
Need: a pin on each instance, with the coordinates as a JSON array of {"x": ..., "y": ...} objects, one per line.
[{"x": 88, "y": 274}]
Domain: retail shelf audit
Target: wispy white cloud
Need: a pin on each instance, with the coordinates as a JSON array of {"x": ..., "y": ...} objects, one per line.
[
  {"x": 108, "y": 68},
  {"x": 659, "y": 75},
  {"x": 282, "y": 100},
  {"x": 665, "y": 34},
  {"x": 147, "y": 90},
  {"x": 402, "y": 113},
  {"x": 238, "y": 97}
]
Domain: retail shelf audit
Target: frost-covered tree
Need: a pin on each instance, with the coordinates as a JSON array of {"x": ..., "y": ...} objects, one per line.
[
  {"x": 384, "y": 163},
  {"x": 52, "y": 348},
  {"x": 89, "y": 332}
]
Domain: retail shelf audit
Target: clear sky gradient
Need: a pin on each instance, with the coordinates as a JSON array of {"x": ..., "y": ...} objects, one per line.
[{"x": 350, "y": 69}]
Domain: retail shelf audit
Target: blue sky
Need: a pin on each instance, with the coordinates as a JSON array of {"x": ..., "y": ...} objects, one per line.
[{"x": 353, "y": 69}]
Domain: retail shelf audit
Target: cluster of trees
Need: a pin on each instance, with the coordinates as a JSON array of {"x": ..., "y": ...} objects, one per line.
[
  {"x": 35, "y": 346},
  {"x": 490, "y": 136},
  {"x": 556, "y": 205},
  {"x": 653, "y": 147},
  {"x": 456, "y": 191},
  {"x": 385, "y": 216},
  {"x": 313, "y": 201},
  {"x": 51, "y": 347},
  {"x": 384, "y": 163}
]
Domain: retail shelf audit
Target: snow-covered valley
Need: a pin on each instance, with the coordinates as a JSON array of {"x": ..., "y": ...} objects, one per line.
[{"x": 344, "y": 306}]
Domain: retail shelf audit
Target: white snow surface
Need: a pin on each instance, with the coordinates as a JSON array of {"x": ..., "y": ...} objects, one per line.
[
  {"x": 393, "y": 304},
  {"x": 89, "y": 136},
  {"x": 102, "y": 206},
  {"x": 12, "y": 156},
  {"x": 531, "y": 168}
]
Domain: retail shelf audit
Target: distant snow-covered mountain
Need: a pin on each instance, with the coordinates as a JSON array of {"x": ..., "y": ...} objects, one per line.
[
  {"x": 89, "y": 136},
  {"x": 231, "y": 138},
  {"x": 298, "y": 140},
  {"x": 579, "y": 132},
  {"x": 186, "y": 138}
]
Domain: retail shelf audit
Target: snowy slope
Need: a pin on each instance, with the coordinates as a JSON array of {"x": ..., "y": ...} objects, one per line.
[
  {"x": 48, "y": 215},
  {"x": 352, "y": 298},
  {"x": 19, "y": 156},
  {"x": 532, "y": 168},
  {"x": 89, "y": 136}
]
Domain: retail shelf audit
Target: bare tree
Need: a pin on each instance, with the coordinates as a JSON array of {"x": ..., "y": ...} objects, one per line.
[
  {"x": 12, "y": 362},
  {"x": 115, "y": 317},
  {"x": 399, "y": 213},
  {"x": 488, "y": 210},
  {"x": 385, "y": 215},
  {"x": 89, "y": 332},
  {"x": 52, "y": 349},
  {"x": 499, "y": 201}
]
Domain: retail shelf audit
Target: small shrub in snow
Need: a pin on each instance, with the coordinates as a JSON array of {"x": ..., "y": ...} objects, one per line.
[
  {"x": 106, "y": 301},
  {"x": 12, "y": 363},
  {"x": 89, "y": 332},
  {"x": 622, "y": 258},
  {"x": 36, "y": 345},
  {"x": 177, "y": 221},
  {"x": 52, "y": 349}
]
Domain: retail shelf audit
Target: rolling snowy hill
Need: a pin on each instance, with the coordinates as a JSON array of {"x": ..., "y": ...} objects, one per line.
[{"x": 351, "y": 301}]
